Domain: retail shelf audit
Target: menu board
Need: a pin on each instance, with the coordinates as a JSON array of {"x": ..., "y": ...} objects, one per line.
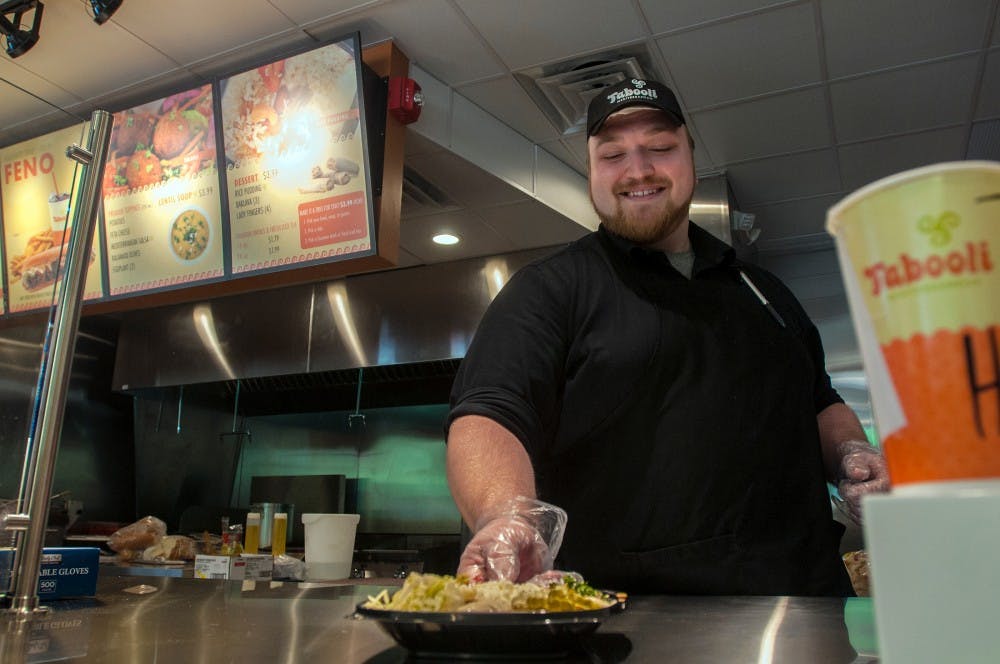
[
  {"x": 162, "y": 210},
  {"x": 3, "y": 283},
  {"x": 36, "y": 186},
  {"x": 296, "y": 167}
]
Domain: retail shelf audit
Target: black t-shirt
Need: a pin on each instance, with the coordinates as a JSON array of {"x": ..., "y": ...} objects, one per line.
[{"x": 673, "y": 419}]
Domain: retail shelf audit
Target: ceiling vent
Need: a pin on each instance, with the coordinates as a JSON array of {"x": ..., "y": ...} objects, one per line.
[
  {"x": 564, "y": 90},
  {"x": 420, "y": 196}
]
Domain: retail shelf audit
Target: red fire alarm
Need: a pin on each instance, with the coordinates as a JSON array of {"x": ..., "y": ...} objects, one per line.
[{"x": 405, "y": 99}]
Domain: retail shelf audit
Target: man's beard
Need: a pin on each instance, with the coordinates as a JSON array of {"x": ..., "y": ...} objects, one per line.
[{"x": 643, "y": 231}]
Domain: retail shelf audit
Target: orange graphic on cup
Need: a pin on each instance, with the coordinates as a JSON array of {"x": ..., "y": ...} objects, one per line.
[{"x": 947, "y": 384}]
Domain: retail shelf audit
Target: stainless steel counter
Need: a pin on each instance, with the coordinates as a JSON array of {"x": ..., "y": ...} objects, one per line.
[{"x": 211, "y": 622}]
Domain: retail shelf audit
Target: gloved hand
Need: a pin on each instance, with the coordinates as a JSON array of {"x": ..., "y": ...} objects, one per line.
[
  {"x": 862, "y": 471},
  {"x": 514, "y": 541}
]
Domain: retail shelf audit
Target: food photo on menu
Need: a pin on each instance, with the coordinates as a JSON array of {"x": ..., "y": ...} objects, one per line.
[
  {"x": 159, "y": 141},
  {"x": 294, "y": 150},
  {"x": 161, "y": 195},
  {"x": 36, "y": 184}
]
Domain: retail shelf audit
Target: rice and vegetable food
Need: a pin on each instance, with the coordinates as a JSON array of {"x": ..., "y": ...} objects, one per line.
[
  {"x": 274, "y": 109},
  {"x": 448, "y": 594}
]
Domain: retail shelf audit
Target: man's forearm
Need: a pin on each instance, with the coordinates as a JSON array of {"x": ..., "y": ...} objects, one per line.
[
  {"x": 486, "y": 465},
  {"x": 837, "y": 425}
]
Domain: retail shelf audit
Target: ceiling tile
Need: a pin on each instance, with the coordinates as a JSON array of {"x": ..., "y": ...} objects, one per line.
[
  {"x": 861, "y": 35},
  {"x": 989, "y": 89},
  {"x": 141, "y": 92},
  {"x": 303, "y": 12},
  {"x": 577, "y": 145},
  {"x": 406, "y": 259},
  {"x": 703, "y": 161},
  {"x": 432, "y": 34},
  {"x": 805, "y": 216},
  {"x": 477, "y": 237},
  {"x": 822, "y": 296},
  {"x": 782, "y": 178},
  {"x": 539, "y": 32},
  {"x": 984, "y": 141},
  {"x": 510, "y": 104},
  {"x": 666, "y": 16},
  {"x": 543, "y": 225},
  {"x": 477, "y": 136},
  {"x": 327, "y": 30},
  {"x": 863, "y": 163},
  {"x": 114, "y": 57},
  {"x": 762, "y": 53},
  {"x": 435, "y": 114},
  {"x": 21, "y": 76},
  {"x": 274, "y": 47},
  {"x": 819, "y": 277},
  {"x": 465, "y": 183},
  {"x": 19, "y": 105},
  {"x": 208, "y": 28},
  {"x": 741, "y": 132},
  {"x": 560, "y": 151},
  {"x": 901, "y": 100},
  {"x": 41, "y": 124},
  {"x": 412, "y": 207},
  {"x": 416, "y": 144},
  {"x": 788, "y": 268}
]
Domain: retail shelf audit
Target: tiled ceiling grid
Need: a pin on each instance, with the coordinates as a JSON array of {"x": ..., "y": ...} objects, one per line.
[{"x": 799, "y": 102}]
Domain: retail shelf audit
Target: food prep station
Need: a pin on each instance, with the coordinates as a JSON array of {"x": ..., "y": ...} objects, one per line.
[{"x": 192, "y": 620}]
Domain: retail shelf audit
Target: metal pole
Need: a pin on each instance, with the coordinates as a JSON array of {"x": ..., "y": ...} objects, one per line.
[{"x": 57, "y": 366}]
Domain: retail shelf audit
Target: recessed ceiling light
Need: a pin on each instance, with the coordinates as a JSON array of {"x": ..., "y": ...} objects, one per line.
[{"x": 445, "y": 238}]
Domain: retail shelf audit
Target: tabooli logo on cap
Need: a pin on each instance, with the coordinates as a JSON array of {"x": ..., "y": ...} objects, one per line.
[
  {"x": 639, "y": 91},
  {"x": 970, "y": 259}
]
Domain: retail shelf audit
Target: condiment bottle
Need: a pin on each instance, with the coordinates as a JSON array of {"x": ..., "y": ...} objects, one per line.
[
  {"x": 231, "y": 541},
  {"x": 279, "y": 533},
  {"x": 253, "y": 533}
]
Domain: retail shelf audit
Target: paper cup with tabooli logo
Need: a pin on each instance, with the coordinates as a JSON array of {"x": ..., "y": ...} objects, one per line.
[
  {"x": 920, "y": 257},
  {"x": 59, "y": 211}
]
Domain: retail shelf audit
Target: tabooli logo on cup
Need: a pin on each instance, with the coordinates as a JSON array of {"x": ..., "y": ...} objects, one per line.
[{"x": 967, "y": 259}]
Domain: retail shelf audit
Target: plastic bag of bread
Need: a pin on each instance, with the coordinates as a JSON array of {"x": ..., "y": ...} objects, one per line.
[
  {"x": 171, "y": 547},
  {"x": 129, "y": 542},
  {"x": 859, "y": 569}
]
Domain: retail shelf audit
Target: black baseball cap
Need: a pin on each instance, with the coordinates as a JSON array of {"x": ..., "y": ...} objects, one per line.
[{"x": 631, "y": 92}]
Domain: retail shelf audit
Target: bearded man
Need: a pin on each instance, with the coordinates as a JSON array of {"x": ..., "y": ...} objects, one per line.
[{"x": 669, "y": 399}]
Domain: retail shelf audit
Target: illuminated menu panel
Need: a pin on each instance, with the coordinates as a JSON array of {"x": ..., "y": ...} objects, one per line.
[
  {"x": 37, "y": 185},
  {"x": 162, "y": 210},
  {"x": 3, "y": 282},
  {"x": 298, "y": 180}
]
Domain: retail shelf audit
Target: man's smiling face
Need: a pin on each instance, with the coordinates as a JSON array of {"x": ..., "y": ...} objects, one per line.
[{"x": 642, "y": 177}]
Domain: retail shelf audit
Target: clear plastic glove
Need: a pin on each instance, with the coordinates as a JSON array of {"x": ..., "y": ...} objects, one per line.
[
  {"x": 554, "y": 576},
  {"x": 862, "y": 471},
  {"x": 515, "y": 541}
]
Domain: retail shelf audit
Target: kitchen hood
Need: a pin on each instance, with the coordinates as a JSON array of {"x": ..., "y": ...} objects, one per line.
[{"x": 399, "y": 326}]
